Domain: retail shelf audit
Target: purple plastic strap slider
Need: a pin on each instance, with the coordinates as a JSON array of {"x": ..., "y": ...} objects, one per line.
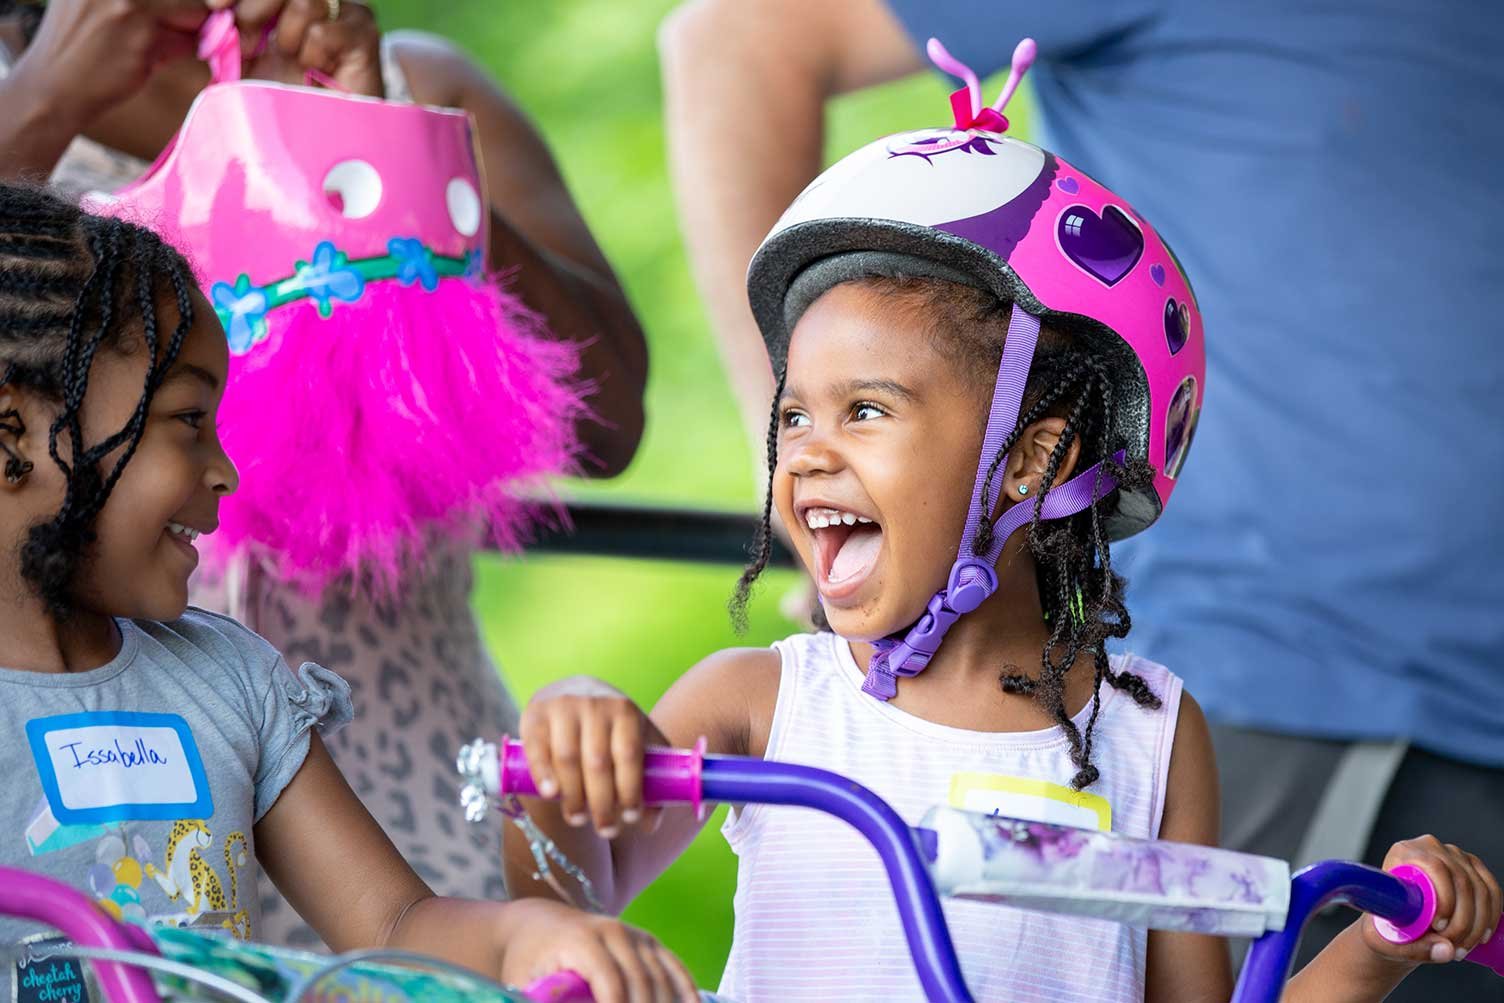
[
  {"x": 972, "y": 582},
  {"x": 978, "y": 586}
]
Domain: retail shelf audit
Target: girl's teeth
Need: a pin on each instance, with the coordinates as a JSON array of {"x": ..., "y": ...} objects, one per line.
[{"x": 824, "y": 518}]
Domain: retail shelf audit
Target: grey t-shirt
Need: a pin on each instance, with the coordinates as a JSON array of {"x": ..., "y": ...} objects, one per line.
[{"x": 140, "y": 782}]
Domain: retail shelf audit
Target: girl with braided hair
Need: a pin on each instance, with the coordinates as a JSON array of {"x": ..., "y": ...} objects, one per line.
[
  {"x": 972, "y": 341},
  {"x": 147, "y": 740},
  {"x": 93, "y": 90}
]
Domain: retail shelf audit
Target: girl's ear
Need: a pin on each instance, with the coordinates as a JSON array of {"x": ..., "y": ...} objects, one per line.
[
  {"x": 1030, "y": 458},
  {"x": 14, "y": 443}
]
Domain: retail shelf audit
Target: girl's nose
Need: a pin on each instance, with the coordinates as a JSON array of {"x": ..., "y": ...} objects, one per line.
[
  {"x": 221, "y": 474},
  {"x": 813, "y": 454}
]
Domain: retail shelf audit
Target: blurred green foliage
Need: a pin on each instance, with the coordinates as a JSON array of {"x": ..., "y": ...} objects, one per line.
[{"x": 587, "y": 73}]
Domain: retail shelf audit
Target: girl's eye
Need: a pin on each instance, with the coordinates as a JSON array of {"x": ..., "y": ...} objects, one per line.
[
  {"x": 866, "y": 410},
  {"x": 795, "y": 419},
  {"x": 193, "y": 419}
]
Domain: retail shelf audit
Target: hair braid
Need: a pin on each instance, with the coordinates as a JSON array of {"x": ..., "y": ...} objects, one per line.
[{"x": 762, "y": 543}]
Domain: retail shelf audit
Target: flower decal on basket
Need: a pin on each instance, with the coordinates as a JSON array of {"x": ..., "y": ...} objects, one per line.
[
  {"x": 329, "y": 277},
  {"x": 242, "y": 309}
]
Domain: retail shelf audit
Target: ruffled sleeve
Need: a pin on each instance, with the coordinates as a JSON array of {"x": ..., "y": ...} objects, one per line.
[
  {"x": 320, "y": 699},
  {"x": 313, "y": 697}
]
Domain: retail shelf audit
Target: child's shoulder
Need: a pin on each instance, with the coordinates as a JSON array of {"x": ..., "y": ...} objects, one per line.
[
  {"x": 728, "y": 697},
  {"x": 200, "y": 638}
]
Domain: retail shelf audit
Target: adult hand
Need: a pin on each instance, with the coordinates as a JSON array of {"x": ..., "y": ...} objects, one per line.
[
  {"x": 346, "y": 46},
  {"x": 89, "y": 55}
]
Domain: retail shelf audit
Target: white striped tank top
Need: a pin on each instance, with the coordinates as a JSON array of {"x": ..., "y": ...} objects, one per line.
[{"x": 815, "y": 919}]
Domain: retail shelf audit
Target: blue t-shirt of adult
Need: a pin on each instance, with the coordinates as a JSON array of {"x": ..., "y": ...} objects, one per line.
[{"x": 1332, "y": 563}]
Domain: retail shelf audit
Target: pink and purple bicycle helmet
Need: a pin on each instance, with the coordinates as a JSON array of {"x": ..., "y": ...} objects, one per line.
[{"x": 972, "y": 205}]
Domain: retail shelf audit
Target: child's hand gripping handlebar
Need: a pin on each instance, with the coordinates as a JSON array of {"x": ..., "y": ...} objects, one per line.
[{"x": 1489, "y": 954}]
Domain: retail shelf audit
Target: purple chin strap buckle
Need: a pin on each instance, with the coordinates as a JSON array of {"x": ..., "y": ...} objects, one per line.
[{"x": 973, "y": 578}]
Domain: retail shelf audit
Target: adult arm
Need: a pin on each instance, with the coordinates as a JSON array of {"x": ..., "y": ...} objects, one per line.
[
  {"x": 538, "y": 235},
  {"x": 745, "y": 87},
  {"x": 87, "y": 57}
]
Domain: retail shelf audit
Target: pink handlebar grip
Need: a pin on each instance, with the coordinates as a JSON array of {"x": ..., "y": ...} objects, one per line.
[
  {"x": 1489, "y": 954},
  {"x": 560, "y": 987},
  {"x": 669, "y": 776},
  {"x": 1421, "y": 925}
]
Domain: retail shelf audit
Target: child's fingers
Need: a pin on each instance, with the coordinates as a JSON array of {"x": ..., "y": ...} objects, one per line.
[
  {"x": 627, "y": 748},
  {"x": 1493, "y": 901},
  {"x": 1428, "y": 853},
  {"x": 622, "y": 945},
  {"x": 564, "y": 743},
  {"x": 1454, "y": 896},
  {"x": 593, "y": 959},
  {"x": 660, "y": 985},
  {"x": 599, "y": 771},
  {"x": 533, "y": 730},
  {"x": 1480, "y": 902},
  {"x": 681, "y": 982}
]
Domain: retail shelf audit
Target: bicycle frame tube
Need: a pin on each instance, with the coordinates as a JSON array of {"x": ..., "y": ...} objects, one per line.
[
  {"x": 739, "y": 781},
  {"x": 31, "y": 896},
  {"x": 1320, "y": 885}
]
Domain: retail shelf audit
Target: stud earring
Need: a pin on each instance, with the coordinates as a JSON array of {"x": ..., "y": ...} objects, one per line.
[{"x": 1023, "y": 489}]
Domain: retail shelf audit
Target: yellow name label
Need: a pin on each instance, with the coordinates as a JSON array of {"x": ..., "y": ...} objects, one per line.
[{"x": 1032, "y": 800}]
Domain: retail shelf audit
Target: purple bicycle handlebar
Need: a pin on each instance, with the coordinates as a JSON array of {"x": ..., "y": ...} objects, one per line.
[{"x": 685, "y": 776}]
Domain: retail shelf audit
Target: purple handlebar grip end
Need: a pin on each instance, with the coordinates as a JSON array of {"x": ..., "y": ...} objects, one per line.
[
  {"x": 1490, "y": 953},
  {"x": 669, "y": 776},
  {"x": 1421, "y": 925},
  {"x": 560, "y": 987}
]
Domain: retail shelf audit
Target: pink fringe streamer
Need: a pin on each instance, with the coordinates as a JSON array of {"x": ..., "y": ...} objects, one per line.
[{"x": 404, "y": 418}]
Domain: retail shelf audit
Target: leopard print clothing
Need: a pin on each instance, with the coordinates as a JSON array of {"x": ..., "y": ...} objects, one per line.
[{"x": 422, "y": 684}]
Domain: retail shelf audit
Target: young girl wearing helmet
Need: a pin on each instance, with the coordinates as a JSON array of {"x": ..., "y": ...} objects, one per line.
[{"x": 989, "y": 368}]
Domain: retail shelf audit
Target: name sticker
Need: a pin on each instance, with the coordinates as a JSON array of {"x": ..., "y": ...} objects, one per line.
[
  {"x": 1029, "y": 799},
  {"x": 110, "y": 766}
]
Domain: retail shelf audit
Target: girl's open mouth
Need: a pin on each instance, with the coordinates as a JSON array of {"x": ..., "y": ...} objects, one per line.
[
  {"x": 846, "y": 549},
  {"x": 183, "y": 537}
]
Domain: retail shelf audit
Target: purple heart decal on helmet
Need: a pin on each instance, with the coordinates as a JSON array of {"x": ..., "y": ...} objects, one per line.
[
  {"x": 1068, "y": 185},
  {"x": 1177, "y": 325},
  {"x": 1105, "y": 247},
  {"x": 1157, "y": 273}
]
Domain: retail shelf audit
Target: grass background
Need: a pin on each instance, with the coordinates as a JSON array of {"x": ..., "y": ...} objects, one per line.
[{"x": 586, "y": 71}]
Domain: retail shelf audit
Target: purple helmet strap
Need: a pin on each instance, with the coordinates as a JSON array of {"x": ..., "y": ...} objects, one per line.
[{"x": 973, "y": 577}]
